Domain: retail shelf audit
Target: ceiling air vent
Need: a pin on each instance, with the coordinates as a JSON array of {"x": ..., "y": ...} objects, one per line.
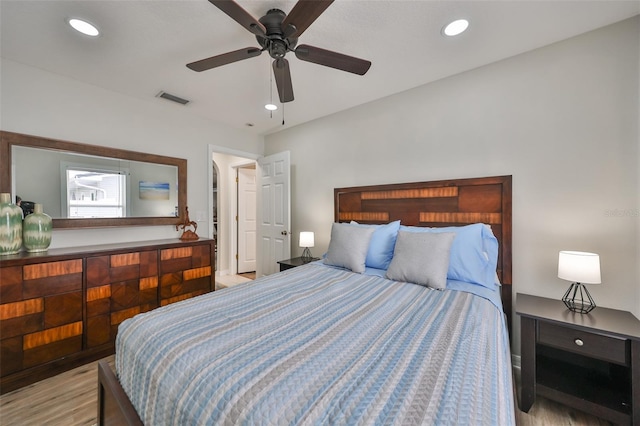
[{"x": 172, "y": 98}]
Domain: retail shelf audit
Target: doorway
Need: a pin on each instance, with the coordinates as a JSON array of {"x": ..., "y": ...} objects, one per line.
[
  {"x": 224, "y": 201},
  {"x": 273, "y": 208}
]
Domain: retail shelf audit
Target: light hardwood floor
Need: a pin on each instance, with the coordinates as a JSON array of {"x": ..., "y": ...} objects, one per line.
[
  {"x": 226, "y": 281},
  {"x": 69, "y": 399}
]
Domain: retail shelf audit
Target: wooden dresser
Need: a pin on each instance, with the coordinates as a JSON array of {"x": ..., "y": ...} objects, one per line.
[{"x": 62, "y": 308}]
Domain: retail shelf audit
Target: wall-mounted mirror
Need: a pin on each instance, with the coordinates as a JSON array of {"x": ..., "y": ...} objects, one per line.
[{"x": 83, "y": 185}]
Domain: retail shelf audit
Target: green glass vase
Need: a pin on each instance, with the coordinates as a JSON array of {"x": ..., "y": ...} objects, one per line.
[
  {"x": 36, "y": 230},
  {"x": 10, "y": 226}
]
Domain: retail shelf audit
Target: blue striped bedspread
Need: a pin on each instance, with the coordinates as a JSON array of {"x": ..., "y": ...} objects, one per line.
[{"x": 319, "y": 346}]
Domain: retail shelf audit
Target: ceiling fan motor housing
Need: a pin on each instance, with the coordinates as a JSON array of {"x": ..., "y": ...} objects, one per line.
[{"x": 275, "y": 42}]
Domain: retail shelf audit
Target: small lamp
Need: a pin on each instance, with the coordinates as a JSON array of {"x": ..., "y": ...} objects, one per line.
[
  {"x": 306, "y": 241},
  {"x": 581, "y": 268}
]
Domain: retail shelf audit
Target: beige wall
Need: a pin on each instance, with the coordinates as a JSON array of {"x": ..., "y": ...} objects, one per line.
[
  {"x": 41, "y": 103},
  {"x": 637, "y": 130},
  {"x": 563, "y": 120}
]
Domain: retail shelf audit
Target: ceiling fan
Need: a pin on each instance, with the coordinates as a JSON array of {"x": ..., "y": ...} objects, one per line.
[{"x": 277, "y": 33}]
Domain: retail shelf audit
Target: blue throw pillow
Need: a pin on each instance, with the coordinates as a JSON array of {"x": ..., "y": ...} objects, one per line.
[
  {"x": 474, "y": 253},
  {"x": 383, "y": 241}
]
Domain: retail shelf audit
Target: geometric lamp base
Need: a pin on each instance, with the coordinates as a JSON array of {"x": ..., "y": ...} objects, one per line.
[
  {"x": 306, "y": 255},
  {"x": 578, "y": 299}
]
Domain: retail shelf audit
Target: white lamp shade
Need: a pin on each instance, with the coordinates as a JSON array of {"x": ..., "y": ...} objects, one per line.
[
  {"x": 306, "y": 239},
  {"x": 579, "y": 266}
]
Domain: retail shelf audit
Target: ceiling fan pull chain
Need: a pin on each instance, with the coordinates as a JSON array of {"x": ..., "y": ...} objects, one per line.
[{"x": 270, "y": 91}]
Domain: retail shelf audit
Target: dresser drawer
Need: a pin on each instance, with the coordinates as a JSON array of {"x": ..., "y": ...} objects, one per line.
[{"x": 607, "y": 348}]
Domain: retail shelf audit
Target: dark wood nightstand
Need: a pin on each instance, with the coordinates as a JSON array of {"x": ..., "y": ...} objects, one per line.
[
  {"x": 587, "y": 361},
  {"x": 296, "y": 261}
]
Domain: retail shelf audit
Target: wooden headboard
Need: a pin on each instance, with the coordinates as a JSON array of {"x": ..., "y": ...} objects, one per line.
[{"x": 454, "y": 202}]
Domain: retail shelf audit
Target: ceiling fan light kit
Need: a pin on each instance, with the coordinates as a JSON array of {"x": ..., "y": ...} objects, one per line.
[{"x": 277, "y": 33}]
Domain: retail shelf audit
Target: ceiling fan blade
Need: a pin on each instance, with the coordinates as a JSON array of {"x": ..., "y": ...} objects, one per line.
[
  {"x": 224, "y": 59},
  {"x": 302, "y": 15},
  {"x": 332, "y": 59},
  {"x": 241, "y": 16},
  {"x": 283, "y": 79}
]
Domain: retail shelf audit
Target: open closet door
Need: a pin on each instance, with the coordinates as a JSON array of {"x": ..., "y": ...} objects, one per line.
[{"x": 274, "y": 212}]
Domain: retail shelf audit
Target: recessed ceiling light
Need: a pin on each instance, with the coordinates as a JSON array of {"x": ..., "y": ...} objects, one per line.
[
  {"x": 271, "y": 107},
  {"x": 84, "y": 27},
  {"x": 456, "y": 27}
]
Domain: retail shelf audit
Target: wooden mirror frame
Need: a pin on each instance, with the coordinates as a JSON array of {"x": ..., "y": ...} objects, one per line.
[{"x": 10, "y": 139}]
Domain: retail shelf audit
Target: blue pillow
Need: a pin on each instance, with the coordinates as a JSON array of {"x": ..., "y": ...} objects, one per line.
[
  {"x": 383, "y": 242},
  {"x": 474, "y": 253}
]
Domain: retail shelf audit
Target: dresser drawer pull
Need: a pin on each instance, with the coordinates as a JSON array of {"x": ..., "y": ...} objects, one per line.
[{"x": 579, "y": 342}]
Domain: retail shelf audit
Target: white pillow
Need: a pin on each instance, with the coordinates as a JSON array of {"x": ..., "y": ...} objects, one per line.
[
  {"x": 348, "y": 246},
  {"x": 421, "y": 258}
]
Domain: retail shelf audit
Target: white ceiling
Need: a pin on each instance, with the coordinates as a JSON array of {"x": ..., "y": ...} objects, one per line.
[{"x": 144, "y": 47}]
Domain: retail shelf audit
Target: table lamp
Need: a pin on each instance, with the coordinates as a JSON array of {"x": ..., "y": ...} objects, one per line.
[
  {"x": 306, "y": 241},
  {"x": 580, "y": 268}
]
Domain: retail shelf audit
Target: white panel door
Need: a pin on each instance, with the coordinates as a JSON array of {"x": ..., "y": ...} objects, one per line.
[
  {"x": 247, "y": 225},
  {"x": 274, "y": 214}
]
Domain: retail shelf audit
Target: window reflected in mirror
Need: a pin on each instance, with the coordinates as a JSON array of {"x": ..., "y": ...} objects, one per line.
[{"x": 95, "y": 193}]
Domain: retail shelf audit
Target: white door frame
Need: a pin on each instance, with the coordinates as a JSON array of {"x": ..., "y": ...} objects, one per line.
[{"x": 233, "y": 243}]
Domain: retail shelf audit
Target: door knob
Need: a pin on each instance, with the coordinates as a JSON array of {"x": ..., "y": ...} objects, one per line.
[{"x": 284, "y": 232}]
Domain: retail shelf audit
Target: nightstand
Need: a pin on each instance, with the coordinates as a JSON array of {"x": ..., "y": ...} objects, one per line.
[
  {"x": 296, "y": 261},
  {"x": 587, "y": 361}
]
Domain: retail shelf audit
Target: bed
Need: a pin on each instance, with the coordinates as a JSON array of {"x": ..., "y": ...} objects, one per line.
[{"x": 350, "y": 339}]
